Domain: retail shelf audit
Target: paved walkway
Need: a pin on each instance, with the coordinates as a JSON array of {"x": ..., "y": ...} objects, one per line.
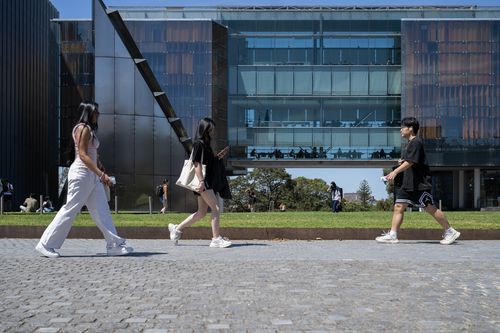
[{"x": 256, "y": 286}]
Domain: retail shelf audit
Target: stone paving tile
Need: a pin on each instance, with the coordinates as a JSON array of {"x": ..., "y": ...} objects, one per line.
[{"x": 257, "y": 286}]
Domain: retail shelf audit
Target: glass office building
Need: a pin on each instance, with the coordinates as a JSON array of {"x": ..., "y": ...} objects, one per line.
[{"x": 320, "y": 87}]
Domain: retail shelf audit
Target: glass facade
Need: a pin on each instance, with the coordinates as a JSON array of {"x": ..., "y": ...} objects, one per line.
[
  {"x": 314, "y": 89},
  {"x": 188, "y": 60},
  {"x": 139, "y": 144},
  {"x": 28, "y": 91},
  {"x": 451, "y": 85},
  {"x": 310, "y": 84},
  {"x": 76, "y": 82}
]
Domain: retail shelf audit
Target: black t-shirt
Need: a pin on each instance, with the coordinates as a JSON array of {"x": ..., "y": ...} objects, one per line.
[
  {"x": 199, "y": 149},
  {"x": 418, "y": 177}
]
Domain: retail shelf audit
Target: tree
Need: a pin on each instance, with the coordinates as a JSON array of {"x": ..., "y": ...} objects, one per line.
[
  {"x": 239, "y": 201},
  {"x": 310, "y": 194},
  {"x": 272, "y": 186},
  {"x": 364, "y": 193},
  {"x": 389, "y": 186}
]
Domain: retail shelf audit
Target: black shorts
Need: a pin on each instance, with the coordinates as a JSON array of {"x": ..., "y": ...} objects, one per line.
[{"x": 414, "y": 198}]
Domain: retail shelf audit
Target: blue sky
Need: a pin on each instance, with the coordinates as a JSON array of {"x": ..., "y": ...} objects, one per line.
[
  {"x": 81, "y": 8},
  {"x": 348, "y": 179}
]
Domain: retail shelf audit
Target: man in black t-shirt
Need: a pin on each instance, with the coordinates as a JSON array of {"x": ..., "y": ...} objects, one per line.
[{"x": 415, "y": 186}]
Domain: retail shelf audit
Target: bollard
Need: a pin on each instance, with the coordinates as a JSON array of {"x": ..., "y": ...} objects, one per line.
[
  {"x": 440, "y": 205},
  {"x": 41, "y": 204},
  {"x": 150, "y": 206},
  {"x": 116, "y": 204},
  {"x": 1, "y": 204}
]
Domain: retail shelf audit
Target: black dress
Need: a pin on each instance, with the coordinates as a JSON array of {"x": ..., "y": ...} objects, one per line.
[
  {"x": 215, "y": 177},
  {"x": 201, "y": 149}
]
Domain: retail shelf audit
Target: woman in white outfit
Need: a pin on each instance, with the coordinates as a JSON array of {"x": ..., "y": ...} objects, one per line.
[{"x": 85, "y": 187}]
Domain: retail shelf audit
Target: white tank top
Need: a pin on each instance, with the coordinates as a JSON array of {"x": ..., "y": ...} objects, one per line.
[{"x": 91, "y": 147}]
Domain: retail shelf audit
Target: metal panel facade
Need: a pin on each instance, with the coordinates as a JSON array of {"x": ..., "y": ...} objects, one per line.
[{"x": 28, "y": 112}]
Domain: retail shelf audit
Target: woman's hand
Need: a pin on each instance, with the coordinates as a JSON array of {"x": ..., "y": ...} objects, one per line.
[
  {"x": 105, "y": 180},
  {"x": 223, "y": 152},
  {"x": 201, "y": 187}
]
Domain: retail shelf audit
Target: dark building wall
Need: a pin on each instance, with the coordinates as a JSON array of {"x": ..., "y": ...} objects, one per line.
[{"x": 28, "y": 112}]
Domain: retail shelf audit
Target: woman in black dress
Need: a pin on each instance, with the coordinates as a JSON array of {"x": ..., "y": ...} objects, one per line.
[{"x": 206, "y": 194}]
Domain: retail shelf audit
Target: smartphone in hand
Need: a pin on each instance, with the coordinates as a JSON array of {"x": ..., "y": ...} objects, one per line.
[{"x": 223, "y": 152}]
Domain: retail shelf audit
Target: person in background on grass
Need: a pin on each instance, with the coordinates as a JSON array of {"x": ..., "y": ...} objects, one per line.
[
  {"x": 206, "y": 196},
  {"x": 85, "y": 187},
  {"x": 414, "y": 187},
  {"x": 336, "y": 196},
  {"x": 46, "y": 205},
  {"x": 252, "y": 200},
  {"x": 165, "y": 196},
  {"x": 29, "y": 205}
]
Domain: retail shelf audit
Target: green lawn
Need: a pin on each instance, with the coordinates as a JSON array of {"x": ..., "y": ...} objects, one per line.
[{"x": 382, "y": 220}]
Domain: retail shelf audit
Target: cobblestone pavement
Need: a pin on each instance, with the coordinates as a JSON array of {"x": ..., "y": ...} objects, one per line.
[{"x": 255, "y": 286}]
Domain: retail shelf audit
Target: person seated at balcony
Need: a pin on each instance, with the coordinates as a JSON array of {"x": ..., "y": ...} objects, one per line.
[
  {"x": 307, "y": 154},
  {"x": 350, "y": 154},
  {"x": 314, "y": 152},
  {"x": 253, "y": 153},
  {"x": 394, "y": 153},
  {"x": 300, "y": 154},
  {"x": 292, "y": 154},
  {"x": 356, "y": 154},
  {"x": 277, "y": 153},
  {"x": 375, "y": 155},
  {"x": 338, "y": 154},
  {"x": 322, "y": 152},
  {"x": 383, "y": 155}
]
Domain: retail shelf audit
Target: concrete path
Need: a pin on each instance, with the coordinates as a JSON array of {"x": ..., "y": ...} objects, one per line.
[{"x": 255, "y": 286}]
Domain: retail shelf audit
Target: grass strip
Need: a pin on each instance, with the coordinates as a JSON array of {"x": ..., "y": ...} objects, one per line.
[{"x": 289, "y": 219}]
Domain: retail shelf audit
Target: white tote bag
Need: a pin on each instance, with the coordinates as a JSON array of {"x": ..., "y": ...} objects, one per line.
[{"x": 187, "y": 178}]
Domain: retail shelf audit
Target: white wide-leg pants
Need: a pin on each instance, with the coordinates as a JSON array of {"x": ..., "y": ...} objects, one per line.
[{"x": 84, "y": 188}]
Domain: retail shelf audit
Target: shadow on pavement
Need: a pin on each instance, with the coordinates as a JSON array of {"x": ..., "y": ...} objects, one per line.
[
  {"x": 248, "y": 244},
  {"x": 104, "y": 255}
]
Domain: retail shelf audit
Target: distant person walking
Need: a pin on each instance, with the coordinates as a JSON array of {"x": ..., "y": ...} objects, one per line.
[
  {"x": 164, "y": 196},
  {"x": 252, "y": 200},
  {"x": 336, "y": 195},
  {"x": 205, "y": 193},
  {"x": 413, "y": 187},
  {"x": 85, "y": 187}
]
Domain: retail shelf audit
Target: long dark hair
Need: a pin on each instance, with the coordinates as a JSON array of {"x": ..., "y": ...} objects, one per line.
[
  {"x": 203, "y": 133},
  {"x": 87, "y": 110}
]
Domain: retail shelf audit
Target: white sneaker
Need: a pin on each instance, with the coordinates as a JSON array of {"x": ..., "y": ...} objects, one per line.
[
  {"x": 47, "y": 252},
  {"x": 175, "y": 234},
  {"x": 387, "y": 238},
  {"x": 450, "y": 236},
  {"x": 119, "y": 250},
  {"x": 220, "y": 242}
]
